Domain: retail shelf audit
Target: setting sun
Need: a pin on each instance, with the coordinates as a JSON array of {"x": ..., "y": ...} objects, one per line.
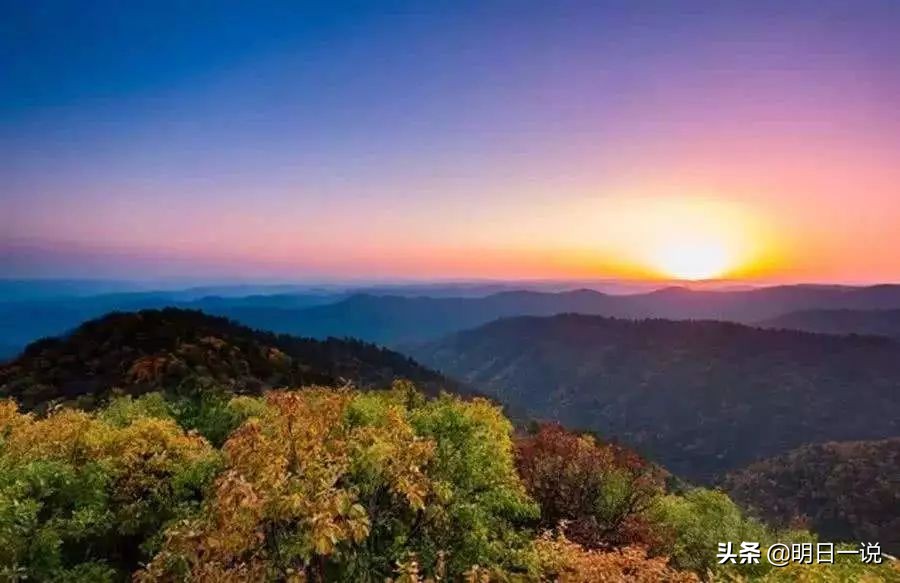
[
  {"x": 694, "y": 260},
  {"x": 686, "y": 237}
]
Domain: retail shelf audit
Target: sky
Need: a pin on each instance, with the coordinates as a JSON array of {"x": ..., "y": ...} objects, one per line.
[{"x": 749, "y": 140}]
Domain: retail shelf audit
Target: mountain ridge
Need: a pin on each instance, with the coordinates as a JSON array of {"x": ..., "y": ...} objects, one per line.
[
  {"x": 398, "y": 320},
  {"x": 699, "y": 397},
  {"x": 843, "y": 321},
  {"x": 139, "y": 352}
]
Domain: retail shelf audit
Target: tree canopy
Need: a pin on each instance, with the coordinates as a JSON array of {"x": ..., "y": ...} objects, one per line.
[{"x": 325, "y": 484}]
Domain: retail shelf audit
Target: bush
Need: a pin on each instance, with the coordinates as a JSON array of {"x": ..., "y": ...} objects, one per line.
[{"x": 597, "y": 493}]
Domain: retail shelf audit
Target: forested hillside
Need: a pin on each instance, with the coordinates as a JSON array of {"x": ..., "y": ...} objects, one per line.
[
  {"x": 701, "y": 398},
  {"x": 151, "y": 446},
  {"x": 845, "y": 490},
  {"x": 182, "y": 351}
]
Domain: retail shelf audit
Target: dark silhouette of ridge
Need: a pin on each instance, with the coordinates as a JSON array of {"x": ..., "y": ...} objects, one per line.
[{"x": 178, "y": 350}]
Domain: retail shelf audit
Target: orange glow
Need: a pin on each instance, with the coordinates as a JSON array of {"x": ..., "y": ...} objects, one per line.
[
  {"x": 694, "y": 259},
  {"x": 677, "y": 237}
]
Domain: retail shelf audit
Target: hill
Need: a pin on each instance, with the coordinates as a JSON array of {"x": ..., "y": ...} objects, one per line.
[
  {"x": 701, "y": 398},
  {"x": 175, "y": 349},
  {"x": 874, "y": 322},
  {"x": 845, "y": 491}
]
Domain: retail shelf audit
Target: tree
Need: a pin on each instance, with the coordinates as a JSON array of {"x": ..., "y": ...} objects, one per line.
[
  {"x": 694, "y": 523},
  {"x": 481, "y": 505},
  {"x": 341, "y": 485},
  {"x": 83, "y": 497},
  {"x": 597, "y": 493}
]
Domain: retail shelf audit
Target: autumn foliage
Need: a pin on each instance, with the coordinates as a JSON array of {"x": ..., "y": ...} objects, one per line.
[
  {"x": 296, "y": 495},
  {"x": 598, "y": 493},
  {"x": 845, "y": 490},
  {"x": 80, "y": 497},
  {"x": 568, "y": 562},
  {"x": 342, "y": 485}
]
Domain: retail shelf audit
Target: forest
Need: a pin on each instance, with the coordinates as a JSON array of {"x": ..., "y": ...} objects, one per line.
[
  {"x": 703, "y": 398},
  {"x": 171, "y": 446},
  {"x": 841, "y": 489}
]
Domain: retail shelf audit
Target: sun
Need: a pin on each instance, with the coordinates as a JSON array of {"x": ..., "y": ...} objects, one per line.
[
  {"x": 693, "y": 259},
  {"x": 685, "y": 238}
]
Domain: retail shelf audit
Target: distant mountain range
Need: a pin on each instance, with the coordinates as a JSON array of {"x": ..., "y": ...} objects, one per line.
[
  {"x": 699, "y": 397},
  {"x": 874, "y": 322},
  {"x": 188, "y": 351},
  {"x": 399, "y": 319}
]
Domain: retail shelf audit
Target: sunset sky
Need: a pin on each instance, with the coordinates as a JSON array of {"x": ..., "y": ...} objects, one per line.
[{"x": 635, "y": 139}]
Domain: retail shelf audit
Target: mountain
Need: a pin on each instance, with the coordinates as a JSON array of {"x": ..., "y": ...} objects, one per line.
[
  {"x": 699, "y": 397},
  {"x": 396, "y": 319},
  {"x": 144, "y": 488},
  {"x": 877, "y": 322},
  {"x": 172, "y": 349},
  {"x": 487, "y": 287},
  {"x": 32, "y": 289},
  {"x": 845, "y": 490},
  {"x": 399, "y": 320},
  {"x": 56, "y": 289}
]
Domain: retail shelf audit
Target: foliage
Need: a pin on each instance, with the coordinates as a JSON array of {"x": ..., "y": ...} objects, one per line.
[
  {"x": 83, "y": 496},
  {"x": 212, "y": 412},
  {"x": 186, "y": 353},
  {"x": 844, "y": 490},
  {"x": 122, "y": 411},
  {"x": 481, "y": 499},
  {"x": 339, "y": 485},
  {"x": 342, "y": 485},
  {"x": 567, "y": 562},
  {"x": 598, "y": 493},
  {"x": 693, "y": 524}
]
